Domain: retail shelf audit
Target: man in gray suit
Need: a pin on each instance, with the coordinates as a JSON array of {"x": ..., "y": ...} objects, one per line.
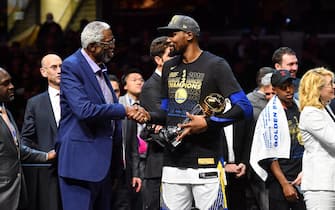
[
  {"x": 13, "y": 194},
  {"x": 128, "y": 195},
  {"x": 39, "y": 131}
]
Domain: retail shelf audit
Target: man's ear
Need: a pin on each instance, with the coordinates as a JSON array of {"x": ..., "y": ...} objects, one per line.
[
  {"x": 158, "y": 60},
  {"x": 190, "y": 36},
  {"x": 43, "y": 72},
  {"x": 277, "y": 66},
  {"x": 91, "y": 47},
  {"x": 125, "y": 87}
]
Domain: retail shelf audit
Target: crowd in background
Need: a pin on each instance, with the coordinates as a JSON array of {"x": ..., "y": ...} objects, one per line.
[{"x": 246, "y": 56}]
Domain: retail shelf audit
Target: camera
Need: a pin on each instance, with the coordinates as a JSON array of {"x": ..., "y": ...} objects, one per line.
[{"x": 148, "y": 134}]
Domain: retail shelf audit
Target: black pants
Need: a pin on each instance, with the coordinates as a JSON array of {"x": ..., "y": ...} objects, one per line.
[
  {"x": 151, "y": 193},
  {"x": 235, "y": 192},
  {"x": 256, "y": 193},
  {"x": 42, "y": 187},
  {"x": 124, "y": 196},
  {"x": 277, "y": 200}
]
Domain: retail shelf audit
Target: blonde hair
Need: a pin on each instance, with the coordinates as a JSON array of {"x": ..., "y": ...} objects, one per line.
[{"x": 310, "y": 86}]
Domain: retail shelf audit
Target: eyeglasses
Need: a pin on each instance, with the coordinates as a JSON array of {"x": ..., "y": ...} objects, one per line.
[
  {"x": 137, "y": 80},
  {"x": 108, "y": 44}
]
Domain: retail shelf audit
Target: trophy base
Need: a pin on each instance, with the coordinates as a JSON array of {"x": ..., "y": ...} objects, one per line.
[
  {"x": 169, "y": 134},
  {"x": 175, "y": 143}
]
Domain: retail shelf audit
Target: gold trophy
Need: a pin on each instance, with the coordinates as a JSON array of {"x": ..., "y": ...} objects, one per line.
[{"x": 213, "y": 104}]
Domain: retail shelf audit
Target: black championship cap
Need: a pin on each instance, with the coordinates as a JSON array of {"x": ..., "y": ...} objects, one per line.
[
  {"x": 181, "y": 23},
  {"x": 279, "y": 77}
]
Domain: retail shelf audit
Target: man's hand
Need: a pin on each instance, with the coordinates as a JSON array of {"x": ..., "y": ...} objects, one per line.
[
  {"x": 51, "y": 155},
  {"x": 197, "y": 124},
  {"x": 230, "y": 168},
  {"x": 290, "y": 192},
  {"x": 297, "y": 181},
  {"x": 136, "y": 184},
  {"x": 239, "y": 170},
  {"x": 157, "y": 128},
  {"x": 137, "y": 113},
  {"x": 146, "y": 114}
]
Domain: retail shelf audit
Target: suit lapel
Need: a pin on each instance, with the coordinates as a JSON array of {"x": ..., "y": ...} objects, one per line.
[
  {"x": 46, "y": 102},
  {"x": 7, "y": 133},
  {"x": 89, "y": 74},
  {"x": 156, "y": 77},
  {"x": 92, "y": 77}
]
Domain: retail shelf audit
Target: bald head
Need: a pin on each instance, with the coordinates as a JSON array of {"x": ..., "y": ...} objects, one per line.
[
  {"x": 3, "y": 74},
  {"x": 6, "y": 86},
  {"x": 2, "y": 71},
  {"x": 51, "y": 69},
  {"x": 48, "y": 58}
]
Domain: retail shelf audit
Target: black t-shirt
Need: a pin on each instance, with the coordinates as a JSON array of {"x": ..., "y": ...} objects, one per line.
[
  {"x": 186, "y": 85},
  {"x": 293, "y": 166}
]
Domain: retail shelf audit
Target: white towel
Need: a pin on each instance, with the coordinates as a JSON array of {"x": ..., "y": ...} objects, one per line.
[
  {"x": 271, "y": 138},
  {"x": 228, "y": 130}
]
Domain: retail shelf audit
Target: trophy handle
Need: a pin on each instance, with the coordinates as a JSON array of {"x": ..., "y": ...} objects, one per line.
[{"x": 197, "y": 109}]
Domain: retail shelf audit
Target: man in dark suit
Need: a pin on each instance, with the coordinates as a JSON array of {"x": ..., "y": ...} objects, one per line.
[
  {"x": 90, "y": 122},
  {"x": 150, "y": 99},
  {"x": 39, "y": 131},
  {"x": 236, "y": 150},
  {"x": 13, "y": 193}
]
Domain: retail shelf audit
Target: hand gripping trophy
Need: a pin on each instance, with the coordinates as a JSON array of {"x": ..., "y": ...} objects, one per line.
[{"x": 211, "y": 105}]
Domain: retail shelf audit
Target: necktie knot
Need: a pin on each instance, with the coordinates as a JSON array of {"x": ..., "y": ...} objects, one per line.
[
  {"x": 102, "y": 66},
  {"x": 99, "y": 73}
]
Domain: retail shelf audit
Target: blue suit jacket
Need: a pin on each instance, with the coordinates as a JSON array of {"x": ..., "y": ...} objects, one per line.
[{"x": 86, "y": 134}]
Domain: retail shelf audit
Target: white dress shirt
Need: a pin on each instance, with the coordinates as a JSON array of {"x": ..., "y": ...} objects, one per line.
[{"x": 55, "y": 103}]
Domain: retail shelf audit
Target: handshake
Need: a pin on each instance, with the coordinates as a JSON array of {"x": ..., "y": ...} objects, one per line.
[{"x": 137, "y": 113}]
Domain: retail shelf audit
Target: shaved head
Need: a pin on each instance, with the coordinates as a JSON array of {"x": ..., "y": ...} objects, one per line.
[
  {"x": 51, "y": 69},
  {"x": 6, "y": 86},
  {"x": 47, "y": 58},
  {"x": 2, "y": 71}
]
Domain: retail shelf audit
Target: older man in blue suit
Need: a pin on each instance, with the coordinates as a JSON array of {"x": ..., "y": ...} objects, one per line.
[{"x": 90, "y": 122}]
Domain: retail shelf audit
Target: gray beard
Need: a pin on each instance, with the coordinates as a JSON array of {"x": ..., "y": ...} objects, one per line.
[{"x": 105, "y": 58}]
